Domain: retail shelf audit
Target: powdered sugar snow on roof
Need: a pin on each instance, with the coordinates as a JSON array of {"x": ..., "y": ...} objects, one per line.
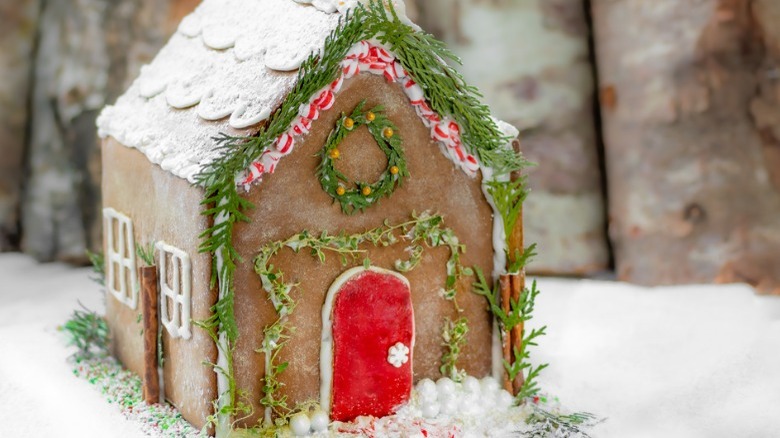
[{"x": 228, "y": 66}]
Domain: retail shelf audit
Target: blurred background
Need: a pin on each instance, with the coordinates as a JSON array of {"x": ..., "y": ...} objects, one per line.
[{"x": 656, "y": 124}]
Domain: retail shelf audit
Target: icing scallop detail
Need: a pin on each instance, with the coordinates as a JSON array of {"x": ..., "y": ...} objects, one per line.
[
  {"x": 183, "y": 94},
  {"x": 244, "y": 116},
  {"x": 191, "y": 26},
  {"x": 281, "y": 61},
  {"x": 150, "y": 87},
  {"x": 371, "y": 58},
  {"x": 213, "y": 107},
  {"x": 219, "y": 38}
]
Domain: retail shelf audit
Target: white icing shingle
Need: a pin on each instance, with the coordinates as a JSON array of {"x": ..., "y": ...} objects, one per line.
[{"x": 230, "y": 64}]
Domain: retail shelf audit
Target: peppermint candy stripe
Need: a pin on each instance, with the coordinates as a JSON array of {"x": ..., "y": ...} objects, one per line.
[{"x": 365, "y": 57}]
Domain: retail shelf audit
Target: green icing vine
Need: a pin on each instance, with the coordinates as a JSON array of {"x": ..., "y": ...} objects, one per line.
[
  {"x": 454, "y": 336},
  {"x": 421, "y": 55},
  {"x": 364, "y": 194},
  {"x": 424, "y": 230}
]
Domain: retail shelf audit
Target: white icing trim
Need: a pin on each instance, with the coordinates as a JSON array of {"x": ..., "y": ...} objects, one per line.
[
  {"x": 121, "y": 253},
  {"x": 237, "y": 123},
  {"x": 179, "y": 291},
  {"x": 326, "y": 340},
  {"x": 499, "y": 245},
  {"x": 224, "y": 422}
]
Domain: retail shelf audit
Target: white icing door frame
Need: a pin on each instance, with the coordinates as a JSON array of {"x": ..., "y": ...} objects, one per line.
[{"x": 326, "y": 341}]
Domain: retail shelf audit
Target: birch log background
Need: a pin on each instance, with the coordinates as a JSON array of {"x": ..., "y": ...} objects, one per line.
[
  {"x": 18, "y": 22},
  {"x": 531, "y": 60},
  {"x": 690, "y": 103},
  {"x": 88, "y": 51},
  {"x": 690, "y": 96}
]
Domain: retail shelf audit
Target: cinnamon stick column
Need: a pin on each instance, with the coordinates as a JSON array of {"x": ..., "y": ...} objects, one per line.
[
  {"x": 517, "y": 246},
  {"x": 149, "y": 299},
  {"x": 505, "y": 285}
]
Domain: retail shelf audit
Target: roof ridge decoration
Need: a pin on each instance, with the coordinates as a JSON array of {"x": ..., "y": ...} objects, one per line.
[{"x": 442, "y": 93}]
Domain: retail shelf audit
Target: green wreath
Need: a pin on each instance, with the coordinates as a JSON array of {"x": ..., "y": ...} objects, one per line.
[{"x": 363, "y": 194}]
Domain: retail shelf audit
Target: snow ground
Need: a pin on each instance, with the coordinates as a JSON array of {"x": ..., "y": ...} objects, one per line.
[{"x": 695, "y": 361}]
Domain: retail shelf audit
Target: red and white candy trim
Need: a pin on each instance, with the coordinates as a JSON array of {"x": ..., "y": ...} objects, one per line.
[{"x": 365, "y": 57}]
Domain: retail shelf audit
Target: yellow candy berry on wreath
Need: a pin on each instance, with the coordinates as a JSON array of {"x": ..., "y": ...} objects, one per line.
[
  {"x": 349, "y": 123},
  {"x": 340, "y": 190},
  {"x": 394, "y": 170},
  {"x": 366, "y": 191},
  {"x": 388, "y": 132},
  {"x": 334, "y": 154},
  {"x": 370, "y": 116}
]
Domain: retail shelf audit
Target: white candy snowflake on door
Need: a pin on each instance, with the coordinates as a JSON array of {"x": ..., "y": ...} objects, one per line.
[
  {"x": 121, "y": 279},
  {"x": 175, "y": 290},
  {"x": 398, "y": 355}
]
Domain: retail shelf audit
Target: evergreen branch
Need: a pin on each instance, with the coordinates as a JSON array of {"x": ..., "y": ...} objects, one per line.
[
  {"x": 88, "y": 331},
  {"x": 145, "y": 253},
  {"x": 508, "y": 197},
  {"x": 520, "y": 312},
  {"x": 521, "y": 259},
  {"x": 98, "y": 267},
  {"x": 547, "y": 423}
]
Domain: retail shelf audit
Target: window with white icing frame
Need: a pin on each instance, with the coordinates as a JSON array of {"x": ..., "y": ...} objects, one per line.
[
  {"x": 121, "y": 279},
  {"x": 175, "y": 273}
]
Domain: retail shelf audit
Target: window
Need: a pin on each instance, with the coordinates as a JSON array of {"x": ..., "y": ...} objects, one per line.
[
  {"x": 121, "y": 277},
  {"x": 175, "y": 290}
]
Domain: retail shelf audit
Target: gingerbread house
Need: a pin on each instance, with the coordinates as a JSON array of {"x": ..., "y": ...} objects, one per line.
[{"x": 315, "y": 182}]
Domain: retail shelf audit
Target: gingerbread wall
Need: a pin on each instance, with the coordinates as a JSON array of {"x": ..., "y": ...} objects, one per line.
[
  {"x": 291, "y": 200},
  {"x": 163, "y": 208}
]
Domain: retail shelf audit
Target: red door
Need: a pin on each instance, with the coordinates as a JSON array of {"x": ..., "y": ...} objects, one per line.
[{"x": 373, "y": 339}]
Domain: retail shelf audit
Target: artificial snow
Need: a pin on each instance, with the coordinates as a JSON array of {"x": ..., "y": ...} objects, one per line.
[{"x": 694, "y": 361}]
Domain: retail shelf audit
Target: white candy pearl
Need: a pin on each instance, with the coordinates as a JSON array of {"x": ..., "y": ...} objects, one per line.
[
  {"x": 469, "y": 404},
  {"x": 427, "y": 389},
  {"x": 449, "y": 405},
  {"x": 489, "y": 385},
  {"x": 445, "y": 386},
  {"x": 319, "y": 421},
  {"x": 431, "y": 410},
  {"x": 504, "y": 399},
  {"x": 471, "y": 385},
  {"x": 300, "y": 424}
]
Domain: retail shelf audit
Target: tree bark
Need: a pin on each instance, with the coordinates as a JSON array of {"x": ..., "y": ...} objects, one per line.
[
  {"x": 17, "y": 41},
  {"x": 691, "y": 111},
  {"x": 532, "y": 62},
  {"x": 89, "y": 51}
]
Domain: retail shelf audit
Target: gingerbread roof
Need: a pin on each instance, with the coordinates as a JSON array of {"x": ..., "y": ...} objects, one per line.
[{"x": 227, "y": 67}]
